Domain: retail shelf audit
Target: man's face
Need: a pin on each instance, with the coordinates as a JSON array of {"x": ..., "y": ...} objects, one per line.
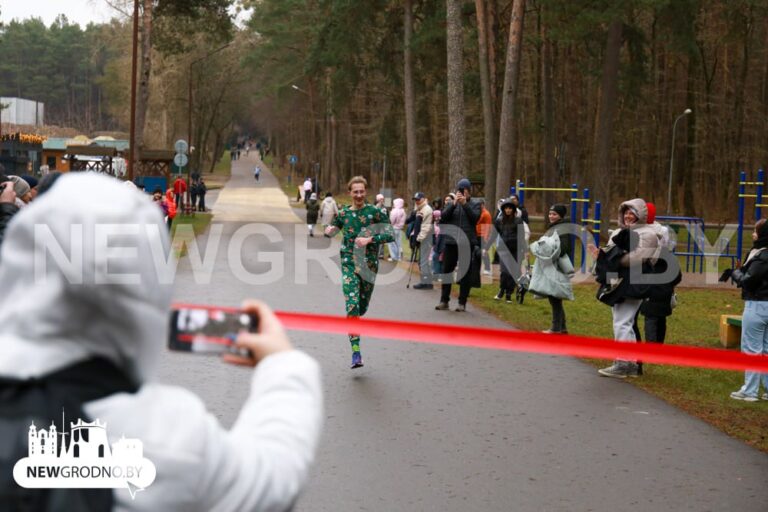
[
  {"x": 357, "y": 193},
  {"x": 420, "y": 202},
  {"x": 157, "y": 196}
]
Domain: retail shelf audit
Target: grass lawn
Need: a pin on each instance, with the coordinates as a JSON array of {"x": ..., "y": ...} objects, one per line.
[
  {"x": 702, "y": 393},
  {"x": 199, "y": 223}
]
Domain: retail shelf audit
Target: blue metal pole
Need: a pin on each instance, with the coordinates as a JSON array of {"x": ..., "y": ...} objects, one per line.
[
  {"x": 759, "y": 198},
  {"x": 574, "y": 211},
  {"x": 584, "y": 216},
  {"x": 740, "y": 232},
  {"x": 521, "y": 188},
  {"x": 688, "y": 247},
  {"x": 597, "y": 223}
]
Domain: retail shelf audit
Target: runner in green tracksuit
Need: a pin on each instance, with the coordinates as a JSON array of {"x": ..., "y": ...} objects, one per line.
[{"x": 364, "y": 227}]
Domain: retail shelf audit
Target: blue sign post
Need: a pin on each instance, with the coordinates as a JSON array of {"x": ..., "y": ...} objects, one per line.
[{"x": 292, "y": 160}]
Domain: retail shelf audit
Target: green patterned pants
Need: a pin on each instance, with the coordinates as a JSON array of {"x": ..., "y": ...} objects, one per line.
[{"x": 357, "y": 295}]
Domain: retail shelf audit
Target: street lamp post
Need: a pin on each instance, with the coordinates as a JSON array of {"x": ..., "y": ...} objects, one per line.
[
  {"x": 672, "y": 159},
  {"x": 134, "y": 59}
]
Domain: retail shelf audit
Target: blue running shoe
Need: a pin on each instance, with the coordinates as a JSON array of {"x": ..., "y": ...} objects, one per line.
[{"x": 357, "y": 360}]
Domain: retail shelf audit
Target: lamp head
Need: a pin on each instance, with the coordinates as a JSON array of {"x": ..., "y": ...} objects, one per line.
[{"x": 687, "y": 111}]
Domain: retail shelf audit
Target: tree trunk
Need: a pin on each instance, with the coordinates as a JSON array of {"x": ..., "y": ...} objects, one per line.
[
  {"x": 456, "y": 132},
  {"x": 549, "y": 170},
  {"x": 507, "y": 117},
  {"x": 142, "y": 99},
  {"x": 605, "y": 113},
  {"x": 410, "y": 100},
  {"x": 488, "y": 118}
]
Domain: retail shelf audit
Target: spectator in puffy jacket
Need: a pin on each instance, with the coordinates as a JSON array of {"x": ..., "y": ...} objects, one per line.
[
  {"x": 641, "y": 256},
  {"x": 556, "y": 220},
  {"x": 51, "y": 322},
  {"x": 328, "y": 210},
  {"x": 170, "y": 203},
  {"x": 397, "y": 219}
]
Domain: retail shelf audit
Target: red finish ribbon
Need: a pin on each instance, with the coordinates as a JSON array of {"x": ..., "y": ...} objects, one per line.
[
  {"x": 518, "y": 341},
  {"x": 522, "y": 341}
]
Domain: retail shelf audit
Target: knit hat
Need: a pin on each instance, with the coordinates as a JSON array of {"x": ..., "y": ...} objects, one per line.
[
  {"x": 313, "y": 197},
  {"x": 559, "y": 209},
  {"x": 20, "y": 186},
  {"x": 463, "y": 184},
  {"x": 506, "y": 202},
  {"x": 31, "y": 180},
  {"x": 651, "y": 212},
  {"x": 379, "y": 197},
  {"x": 436, "y": 214}
]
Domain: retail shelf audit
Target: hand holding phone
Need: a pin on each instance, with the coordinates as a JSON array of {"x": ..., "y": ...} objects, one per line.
[
  {"x": 270, "y": 338},
  {"x": 7, "y": 193},
  {"x": 208, "y": 330}
]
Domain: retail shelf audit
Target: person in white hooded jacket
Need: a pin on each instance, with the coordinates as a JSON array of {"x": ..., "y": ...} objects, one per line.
[
  {"x": 115, "y": 304},
  {"x": 633, "y": 216}
]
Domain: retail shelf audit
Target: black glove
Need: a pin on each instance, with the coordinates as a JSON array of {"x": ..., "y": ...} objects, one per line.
[{"x": 736, "y": 276}]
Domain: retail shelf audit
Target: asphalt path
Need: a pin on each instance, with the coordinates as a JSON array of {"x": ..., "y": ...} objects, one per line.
[{"x": 427, "y": 427}]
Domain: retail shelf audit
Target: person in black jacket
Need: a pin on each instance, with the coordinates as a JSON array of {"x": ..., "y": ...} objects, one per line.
[
  {"x": 556, "y": 217},
  {"x": 509, "y": 227},
  {"x": 752, "y": 278},
  {"x": 459, "y": 221}
]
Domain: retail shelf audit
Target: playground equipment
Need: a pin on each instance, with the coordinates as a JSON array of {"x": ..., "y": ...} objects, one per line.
[
  {"x": 520, "y": 188},
  {"x": 758, "y": 196},
  {"x": 695, "y": 244}
]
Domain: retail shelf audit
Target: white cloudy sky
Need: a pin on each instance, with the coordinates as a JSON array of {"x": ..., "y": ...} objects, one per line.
[
  {"x": 81, "y": 12},
  {"x": 78, "y": 11}
]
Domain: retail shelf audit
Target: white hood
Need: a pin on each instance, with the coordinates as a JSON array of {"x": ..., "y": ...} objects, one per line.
[{"x": 63, "y": 316}]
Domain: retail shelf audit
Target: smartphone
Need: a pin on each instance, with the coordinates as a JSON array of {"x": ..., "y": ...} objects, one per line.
[{"x": 209, "y": 330}]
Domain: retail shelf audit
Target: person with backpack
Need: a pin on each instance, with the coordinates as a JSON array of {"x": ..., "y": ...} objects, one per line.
[{"x": 92, "y": 346}]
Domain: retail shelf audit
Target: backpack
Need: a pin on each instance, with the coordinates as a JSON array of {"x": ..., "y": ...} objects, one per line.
[{"x": 42, "y": 400}]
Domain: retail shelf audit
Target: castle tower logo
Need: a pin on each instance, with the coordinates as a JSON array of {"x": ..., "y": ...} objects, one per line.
[{"x": 84, "y": 461}]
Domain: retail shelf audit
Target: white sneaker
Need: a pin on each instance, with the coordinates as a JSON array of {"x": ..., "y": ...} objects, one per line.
[{"x": 740, "y": 395}]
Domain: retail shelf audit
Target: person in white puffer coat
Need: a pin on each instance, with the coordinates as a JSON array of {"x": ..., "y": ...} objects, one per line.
[
  {"x": 118, "y": 309},
  {"x": 633, "y": 216}
]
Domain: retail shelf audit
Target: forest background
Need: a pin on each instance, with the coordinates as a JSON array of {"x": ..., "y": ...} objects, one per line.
[{"x": 551, "y": 92}]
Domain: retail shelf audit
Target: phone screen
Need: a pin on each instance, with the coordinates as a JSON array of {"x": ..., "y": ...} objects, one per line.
[{"x": 208, "y": 330}]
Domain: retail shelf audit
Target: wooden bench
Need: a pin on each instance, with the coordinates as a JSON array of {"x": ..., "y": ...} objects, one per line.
[{"x": 730, "y": 330}]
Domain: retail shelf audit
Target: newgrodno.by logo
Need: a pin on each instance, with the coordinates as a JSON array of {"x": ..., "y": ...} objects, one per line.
[{"x": 84, "y": 461}]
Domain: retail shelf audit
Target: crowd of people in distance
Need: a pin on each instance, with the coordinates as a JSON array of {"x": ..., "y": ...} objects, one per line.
[{"x": 453, "y": 239}]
